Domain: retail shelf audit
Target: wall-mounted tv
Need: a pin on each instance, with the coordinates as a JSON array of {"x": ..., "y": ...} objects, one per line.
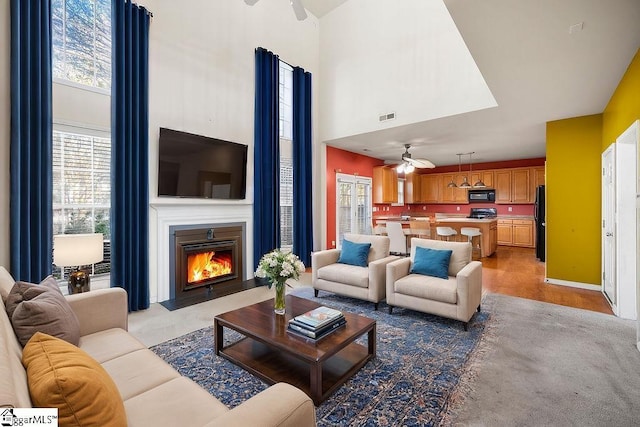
[{"x": 197, "y": 166}]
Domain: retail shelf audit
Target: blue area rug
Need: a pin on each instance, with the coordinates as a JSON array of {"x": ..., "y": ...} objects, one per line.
[{"x": 420, "y": 360}]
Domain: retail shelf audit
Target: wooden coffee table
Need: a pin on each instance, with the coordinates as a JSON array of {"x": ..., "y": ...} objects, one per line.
[{"x": 271, "y": 353}]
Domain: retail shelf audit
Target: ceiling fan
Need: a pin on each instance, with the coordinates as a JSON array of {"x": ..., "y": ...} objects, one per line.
[
  {"x": 410, "y": 164},
  {"x": 297, "y": 6}
]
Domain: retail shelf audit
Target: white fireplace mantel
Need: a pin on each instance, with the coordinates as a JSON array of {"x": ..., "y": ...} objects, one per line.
[{"x": 165, "y": 213}]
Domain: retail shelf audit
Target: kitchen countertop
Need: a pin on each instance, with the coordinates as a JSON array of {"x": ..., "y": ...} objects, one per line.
[{"x": 465, "y": 219}]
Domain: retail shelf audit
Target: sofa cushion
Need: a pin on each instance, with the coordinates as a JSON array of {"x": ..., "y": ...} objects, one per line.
[
  {"x": 347, "y": 274},
  {"x": 379, "y": 245},
  {"x": 431, "y": 262},
  {"x": 428, "y": 288},
  {"x": 460, "y": 252},
  {"x": 41, "y": 308},
  {"x": 172, "y": 404},
  {"x": 139, "y": 371},
  {"x": 109, "y": 344},
  {"x": 354, "y": 253},
  {"x": 6, "y": 283},
  {"x": 65, "y": 377}
]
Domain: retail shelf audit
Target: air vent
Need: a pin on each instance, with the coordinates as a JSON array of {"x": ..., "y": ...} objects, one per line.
[{"x": 389, "y": 116}]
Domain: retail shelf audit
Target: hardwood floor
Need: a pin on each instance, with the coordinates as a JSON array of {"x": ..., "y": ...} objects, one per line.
[{"x": 516, "y": 272}]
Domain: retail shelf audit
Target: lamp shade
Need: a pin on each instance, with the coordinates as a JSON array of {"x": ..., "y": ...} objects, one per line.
[{"x": 77, "y": 249}]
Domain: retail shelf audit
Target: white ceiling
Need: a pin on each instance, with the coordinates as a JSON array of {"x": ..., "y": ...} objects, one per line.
[{"x": 536, "y": 70}]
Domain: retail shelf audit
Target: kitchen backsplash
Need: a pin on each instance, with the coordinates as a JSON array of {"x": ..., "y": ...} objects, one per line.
[{"x": 418, "y": 210}]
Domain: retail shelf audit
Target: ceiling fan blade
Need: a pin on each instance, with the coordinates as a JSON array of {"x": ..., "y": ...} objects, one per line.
[
  {"x": 298, "y": 9},
  {"x": 420, "y": 163},
  {"x": 251, "y": 2}
]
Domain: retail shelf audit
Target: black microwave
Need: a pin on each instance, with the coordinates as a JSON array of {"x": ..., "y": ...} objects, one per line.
[{"x": 482, "y": 196}]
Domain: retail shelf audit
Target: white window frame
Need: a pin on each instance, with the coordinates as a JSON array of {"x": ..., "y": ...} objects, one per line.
[{"x": 352, "y": 179}]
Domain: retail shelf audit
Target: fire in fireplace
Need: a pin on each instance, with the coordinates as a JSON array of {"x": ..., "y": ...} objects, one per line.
[
  {"x": 209, "y": 265},
  {"x": 206, "y": 258}
]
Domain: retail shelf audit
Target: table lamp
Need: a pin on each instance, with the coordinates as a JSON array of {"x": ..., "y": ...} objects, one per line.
[{"x": 77, "y": 250}]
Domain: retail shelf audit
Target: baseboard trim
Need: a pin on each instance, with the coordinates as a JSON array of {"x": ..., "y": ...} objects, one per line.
[{"x": 571, "y": 284}]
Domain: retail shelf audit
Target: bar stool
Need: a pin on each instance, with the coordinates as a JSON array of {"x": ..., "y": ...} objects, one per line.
[
  {"x": 446, "y": 232},
  {"x": 472, "y": 232}
]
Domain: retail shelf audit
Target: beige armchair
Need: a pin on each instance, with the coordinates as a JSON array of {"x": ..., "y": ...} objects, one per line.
[
  {"x": 366, "y": 283},
  {"x": 457, "y": 297}
]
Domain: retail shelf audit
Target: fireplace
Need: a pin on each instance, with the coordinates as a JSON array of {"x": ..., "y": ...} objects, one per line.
[{"x": 206, "y": 259}]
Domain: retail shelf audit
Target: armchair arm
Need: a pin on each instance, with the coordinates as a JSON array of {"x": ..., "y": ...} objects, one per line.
[
  {"x": 396, "y": 270},
  {"x": 320, "y": 259},
  {"x": 280, "y": 405},
  {"x": 377, "y": 273},
  {"x": 469, "y": 289},
  {"x": 100, "y": 309}
]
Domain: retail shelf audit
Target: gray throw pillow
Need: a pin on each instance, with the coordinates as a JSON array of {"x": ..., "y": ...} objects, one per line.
[{"x": 41, "y": 308}]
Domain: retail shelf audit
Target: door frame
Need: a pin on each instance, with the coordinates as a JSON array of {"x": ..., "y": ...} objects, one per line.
[
  {"x": 626, "y": 228},
  {"x": 609, "y": 153}
]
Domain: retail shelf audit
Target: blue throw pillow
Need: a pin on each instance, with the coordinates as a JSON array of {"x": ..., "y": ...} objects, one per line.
[
  {"x": 354, "y": 253},
  {"x": 431, "y": 262}
]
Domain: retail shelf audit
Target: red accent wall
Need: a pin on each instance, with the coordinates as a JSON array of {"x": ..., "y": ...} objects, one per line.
[{"x": 341, "y": 161}]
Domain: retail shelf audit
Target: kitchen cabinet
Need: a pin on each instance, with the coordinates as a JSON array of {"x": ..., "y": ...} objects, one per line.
[
  {"x": 513, "y": 186},
  {"x": 430, "y": 188},
  {"x": 485, "y": 176},
  {"x": 505, "y": 232},
  {"x": 413, "y": 188},
  {"x": 537, "y": 179},
  {"x": 516, "y": 232},
  {"x": 453, "y": 194},
  {"x": 385, "y": 185},
  {"x": 523, "y": 233}
]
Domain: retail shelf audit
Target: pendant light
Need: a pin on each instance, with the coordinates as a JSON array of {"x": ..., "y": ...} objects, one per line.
[
  {"x": 452, "y": 184},
  {"x": 465, "y": 183},
  {"x": 479, "y": 183}
]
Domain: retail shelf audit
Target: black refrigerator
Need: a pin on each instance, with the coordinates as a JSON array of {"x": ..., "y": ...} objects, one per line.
[{"x": 540, "y": 223}]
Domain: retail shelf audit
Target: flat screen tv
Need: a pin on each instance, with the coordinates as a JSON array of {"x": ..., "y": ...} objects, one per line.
[{"x": 197, "y": 166}]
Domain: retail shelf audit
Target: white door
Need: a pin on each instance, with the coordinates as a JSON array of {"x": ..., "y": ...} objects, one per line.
[
  {"x": 353, "y": 206},
  {"x": 608, "y": 225}
]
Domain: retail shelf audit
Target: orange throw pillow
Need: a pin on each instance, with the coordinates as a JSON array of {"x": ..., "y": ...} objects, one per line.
[{"x": 62, "y": 376}]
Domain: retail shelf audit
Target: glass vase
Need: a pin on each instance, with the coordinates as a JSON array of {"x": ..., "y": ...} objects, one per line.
[{"x": 278, "y": 302}]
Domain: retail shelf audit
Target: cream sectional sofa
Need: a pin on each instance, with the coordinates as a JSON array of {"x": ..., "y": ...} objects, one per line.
[{"x": 154, "y": 394}]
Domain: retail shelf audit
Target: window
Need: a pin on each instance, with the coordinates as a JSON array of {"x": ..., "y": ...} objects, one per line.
[
  {"x": 82, "y": 188},
  {"x": 81, "y": 59},
  {"x": 286, "y": 155},
  {"x": 81, "y": 36}
]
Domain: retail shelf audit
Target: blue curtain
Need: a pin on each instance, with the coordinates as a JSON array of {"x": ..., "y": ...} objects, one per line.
[
  {"x": 129, "y": 152},
  {"x": 31, "y": 141},
  {"x": 302, "y": 161},
  {"x": 266, "y": 163}
]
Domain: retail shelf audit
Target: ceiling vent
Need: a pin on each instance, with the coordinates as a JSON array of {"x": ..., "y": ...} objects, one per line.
[{"x": 385, "y": 117}]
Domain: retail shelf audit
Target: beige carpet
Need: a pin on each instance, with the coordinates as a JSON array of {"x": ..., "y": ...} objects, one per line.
[{"x": 547, "y": 365}]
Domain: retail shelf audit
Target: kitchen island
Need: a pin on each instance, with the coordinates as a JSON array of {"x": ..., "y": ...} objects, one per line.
[{"x": 488, "y": 227}]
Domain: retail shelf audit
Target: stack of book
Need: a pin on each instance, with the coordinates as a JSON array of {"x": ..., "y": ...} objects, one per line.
[{"x": 317, "y": 323}]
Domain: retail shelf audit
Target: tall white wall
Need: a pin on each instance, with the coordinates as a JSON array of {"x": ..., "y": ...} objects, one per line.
[
  {"x": 407, "y": 57},
  {"x": 201, "y": 64},
  {"x": 201, "y": 80},
  {"x": 5, "y": 118}
]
